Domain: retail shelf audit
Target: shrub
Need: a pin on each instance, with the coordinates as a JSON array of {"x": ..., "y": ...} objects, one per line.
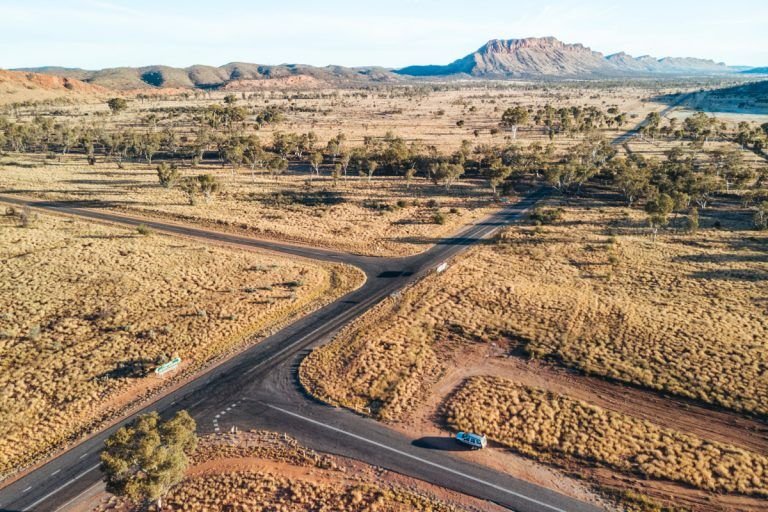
[
  {"x": 760, "y": 218},
  {"x": 438, "y": 218},
  {"x": 547, "y": 215},
  {"x": 26, "y": 216},
  {"x": 143, "y": 230},
  {"x": 167, "y": 175}
]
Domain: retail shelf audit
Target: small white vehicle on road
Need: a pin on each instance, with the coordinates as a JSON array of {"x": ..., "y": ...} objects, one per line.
[{"x": 476, "y": 441}]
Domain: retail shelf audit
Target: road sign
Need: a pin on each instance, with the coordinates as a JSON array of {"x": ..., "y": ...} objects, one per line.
[
  {"x": 442, "y": 267},
  {"x": 167, "y": 367}
]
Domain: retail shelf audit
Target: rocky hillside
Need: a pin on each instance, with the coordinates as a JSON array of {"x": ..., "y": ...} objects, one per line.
[
  {"x": 512, "y": 58},
  {"x": 236, "y": 75},
  {"x": 549, "y": 57},
  {"x": 18, "y": 86}
]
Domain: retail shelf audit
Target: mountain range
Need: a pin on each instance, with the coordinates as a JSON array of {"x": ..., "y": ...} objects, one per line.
[
  {"x": 549, "y": 57},
  {"x": 544, "y": 57}
]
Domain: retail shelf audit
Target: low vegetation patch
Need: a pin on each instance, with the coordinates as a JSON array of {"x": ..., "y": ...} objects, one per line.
[
  {"x": 684, "y": 314},
  {"x": 267, "y": 491},
  {"x": 261, "y": 470},
  {"x": 536, "y": 422},
  {"x": 88, "y": 311}
]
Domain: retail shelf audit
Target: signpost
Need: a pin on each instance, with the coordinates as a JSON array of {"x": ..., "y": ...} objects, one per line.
[{"x": 167, "y": 367}]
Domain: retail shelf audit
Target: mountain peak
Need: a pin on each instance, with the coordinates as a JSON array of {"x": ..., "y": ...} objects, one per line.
[{"x": 550, "y": 57}]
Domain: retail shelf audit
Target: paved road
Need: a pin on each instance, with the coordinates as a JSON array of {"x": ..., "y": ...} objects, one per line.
[
  {"x": 634, "y": 132},
  {"x": 259, "y": 389}
]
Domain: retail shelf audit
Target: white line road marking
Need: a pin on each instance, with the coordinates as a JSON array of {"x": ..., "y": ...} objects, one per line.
[
  {"x": 27, "y": 489},
  {"x": 414, "y": 457},
  {"x": 56, "y": 472},
  {"x": 83, "y": 455},
  {"x": 196, "y": 403},
  {"x": 77, "y": 497},
  {"x": 75, "y": 479}
]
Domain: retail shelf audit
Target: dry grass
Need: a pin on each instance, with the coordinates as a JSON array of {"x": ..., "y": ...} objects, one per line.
[
  {"x": 272, "y": 472},
  {"x": 266, "y": 491},
  {"x": 87, "y": 310},
  {"x": 380, "y": 217},
  {"x": 534, "y": 421},
  {"x": 684, "y": 315}
]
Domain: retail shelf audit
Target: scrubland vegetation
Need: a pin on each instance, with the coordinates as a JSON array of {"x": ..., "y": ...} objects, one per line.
[
  {"x": 88, "y": 311},
  {"x": 683, "y": 314},
  {"x": 311, "y": 167},
  {"x": 537, "y": 422},
  {"x": 268, "y": 471},
  {"x": 646, "y": 266}
]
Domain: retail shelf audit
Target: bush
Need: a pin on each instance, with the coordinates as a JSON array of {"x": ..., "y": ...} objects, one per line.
[
  {"x": 143, "y": 230},
  {"x": 438, "y": 218},
  {"x": 546, "y": 215},
  {"x": 760, "y": 219},
  {"x": 25, "y": 216},
  {"x": 167, "y": 175}
]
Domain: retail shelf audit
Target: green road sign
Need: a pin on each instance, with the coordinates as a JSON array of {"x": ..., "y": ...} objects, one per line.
[{"x": 170, "y": 365}]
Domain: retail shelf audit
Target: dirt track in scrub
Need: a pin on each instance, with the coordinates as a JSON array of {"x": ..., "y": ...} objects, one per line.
[{"x": 427, "y": 422}]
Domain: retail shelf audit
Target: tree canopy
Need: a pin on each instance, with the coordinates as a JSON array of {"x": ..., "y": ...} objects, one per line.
[{"x": 143, "y": 460}]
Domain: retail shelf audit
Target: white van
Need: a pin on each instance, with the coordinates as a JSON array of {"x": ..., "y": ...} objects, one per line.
[{"x": 476, "y": 441}]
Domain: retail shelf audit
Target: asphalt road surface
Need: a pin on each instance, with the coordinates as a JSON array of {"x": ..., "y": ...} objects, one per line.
[
  {"x": 259, "y": 389},
  {"x": 634, "y": 132}
]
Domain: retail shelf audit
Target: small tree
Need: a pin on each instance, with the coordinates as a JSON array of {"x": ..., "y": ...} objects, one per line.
[
  {"x": 760, "y": 219},
  {"x": 514, "y": 117},
  {"x": 277, "y": 165},
  {"x": 117, "y": 105},
  {"x": 315, "y": 160},
  {"x": 167, "y": 175},
  {"x": 692, "y": 221},
  {"x": 143, "y": 460},
  {"x": 658, "y": 212},
  {"x": 496, "y": 174},
  {"x": 189, "y": 186},
  {"x": 208, "y": 185},
  {"x": 447, "y": 173},
  {"x": 370, "y": 168}
]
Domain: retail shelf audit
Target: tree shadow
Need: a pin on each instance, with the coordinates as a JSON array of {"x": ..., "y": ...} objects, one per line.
[
  {"x": 731, "y": 275},
  {"x": 131, "y": 369}
]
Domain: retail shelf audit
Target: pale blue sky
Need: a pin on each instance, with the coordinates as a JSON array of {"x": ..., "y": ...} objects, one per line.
[{"x": 110, "y": 33}]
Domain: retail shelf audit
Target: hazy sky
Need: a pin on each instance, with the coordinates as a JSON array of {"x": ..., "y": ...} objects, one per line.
[{"x": 109, "y": 33}]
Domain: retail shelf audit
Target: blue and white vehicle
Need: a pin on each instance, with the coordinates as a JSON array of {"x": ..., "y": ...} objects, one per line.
[{"x": 476, "y": 441}]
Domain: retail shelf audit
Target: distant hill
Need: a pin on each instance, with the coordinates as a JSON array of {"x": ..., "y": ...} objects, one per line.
[
  {"x": 756, "y": 71},
  {"x": 18, "y": 86},
  {"x": 746, "y": 98},
  {"x": 511, "y": 58},
  {"x": 209, "y": 77},
  {"x": 549, "y": 57}
]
